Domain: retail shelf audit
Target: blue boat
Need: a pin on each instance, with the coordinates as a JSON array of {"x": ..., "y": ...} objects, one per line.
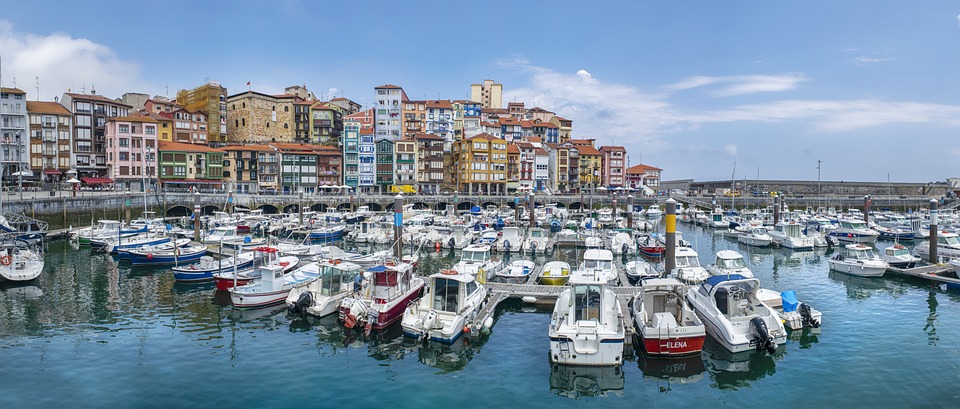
[
  {"x": 327, "y": 233},
  {"x": 204, "y": 270},
  {"x": 124, "y": 253},
  {"x": 179, "y": 255}
]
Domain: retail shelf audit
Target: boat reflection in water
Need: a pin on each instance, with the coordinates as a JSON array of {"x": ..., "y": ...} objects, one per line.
[
  {"x": 736, "y": 370},
  {"x": 861, "y": 288},
  {"x": 806, "y": 337},
  {"x": 25, "y": 291},
  {"x": 576, "y": 381},
  {"x": 683, "y": 370},
  {"x": 447, "y": 357}
]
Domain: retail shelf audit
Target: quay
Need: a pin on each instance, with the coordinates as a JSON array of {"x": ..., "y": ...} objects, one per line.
[{"x": 933, "y": 272}]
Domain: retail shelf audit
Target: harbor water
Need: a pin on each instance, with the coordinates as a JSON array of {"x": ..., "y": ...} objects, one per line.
[{"x": 90, "y": 333}]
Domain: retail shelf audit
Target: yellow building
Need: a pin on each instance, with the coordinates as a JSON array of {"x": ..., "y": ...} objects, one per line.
[
  {"x": 489, "y": 94},
  {"x": 211, "y": 99},
  {"x": 590, "y": 163},
  {"x": 481, "y": 164}
]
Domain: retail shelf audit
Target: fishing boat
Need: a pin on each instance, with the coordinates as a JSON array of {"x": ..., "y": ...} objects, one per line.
[
  {"x": 272, "y": 286},
  {"x": 112, "y": 245},
  {"x": 599, "y": 262},
  {"x": 328, "y": 232},
  {"x": 104, "y": 228},
  {"x": 518, "y": 271},
  {"x": 734, "y": 316},
  {"x": 652, "y": 247},
  {"x": 729, "y": 262},
  {"x": 587, "y": 327},
  {"x": 858, "y": 259},
  {"x": 664, "y": 319},
  {"x": 688, "y": 269},
  {"x": 789, "y": 234},
  {"x": 555, "y": 273},
  {"x": 322, "y": 297},
  {"x": 177, "y": 255},
  {"x": 510, "y": 240},
  {"x": 476, "y": 260},
  {"x": 854, "y": 231},
  {"x": 639, "y": 270},
  {"x": 124, "y": 254},
  {"x": 536, "y": 240},
  {"x": 450, "y": 304},
  {"x": 20, "y": 263},
  {"x": 226, "y": 279},
  {"x": 392, "y": 286},
  {"x": 622, "y": 243},
  {"x": 948, "y": 246},
  {"x": 204, "y": 270},
  {"x": 889, "y": 231},
  {"x": 756, "y": 236},
  {"x": 654, "y": 212},
  {"x": 899, "y": 256}
]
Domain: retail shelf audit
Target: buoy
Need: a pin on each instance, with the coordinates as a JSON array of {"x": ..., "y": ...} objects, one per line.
[
  {"x": 466, "y": 329},
  {"x": 529, "y": 299},
  {"x": 436, "y": 246},
  {"x": 149, "y": 256}
]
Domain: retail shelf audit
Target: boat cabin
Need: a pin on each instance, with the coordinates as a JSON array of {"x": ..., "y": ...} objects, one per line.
[{"x": 451, "y": 290}]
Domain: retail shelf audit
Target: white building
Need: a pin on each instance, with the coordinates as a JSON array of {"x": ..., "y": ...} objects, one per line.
[
  {"x": 13, "y": 130},
  {"x": 389, "y": 111}
]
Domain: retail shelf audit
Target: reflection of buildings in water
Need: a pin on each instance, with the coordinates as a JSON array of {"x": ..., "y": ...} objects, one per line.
[
  {"x": 735, "y": 370},
  {"x": 684, "y": 369},
  {"x": 930, "y": 328},
  {"x": 574, "y": 381}
]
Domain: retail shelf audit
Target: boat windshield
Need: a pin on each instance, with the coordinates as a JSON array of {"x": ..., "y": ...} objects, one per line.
[
  {"x": 897, "y": 252},
  {"x": 863, "y": 254},
  {"x": 687, "y": 261},
  {"x": 474, "y": 255},
  {"x": 597, "y": 264},
  {"x": 853, "y": 225},
  {"x": 948, "y": 240},
  {"x": 731, "y": 263},
  {"x": 587, "y": 302},
  {"x": 335, "y": 280},
  {"x": 536, "y": 233},
  {"x": 792, "y": 230},
  {"x": 445, "y": 294}
]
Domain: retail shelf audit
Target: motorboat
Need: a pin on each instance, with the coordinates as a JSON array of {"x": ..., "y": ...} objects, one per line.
[
  {"x": 638, "y": 270},
  {"x": 229, "y": 278},
  {"x": 124, "y": 254},
  {"x": 890, "y": 231},
  {"x": 476, "y": 260},
  {"x": 622, "y": 243},
  {"x": 794, "y": 314},
  {"x": 555, "y": 273},
  {"x": 510, "y": 240},
  {"x": 664, "y": 320},
  {"x": 576, "y": 381},
  {"x": 114, "y": 244},
  {"x": 20, "y": 263},
  {"x": 789, "y": 234},
  {"x": 272, "y": 286},
  {"x": 587, "y": 326},
  {"x": 756, "y": 236},
  {"x": 948, "y": 246},
  {"x": 599, "y": 262},
  {"x": 450, "y": 303},
  {"x": 654, "y": 212},
  {"x": 391, "y": 287},
  {"x": 729, "y": 262},
  {"x": 688, "y": 269},
  {"x": 518, "y": 271},
  {"x": 858, "y": 259},
  {"x": 322, "y": 297},
  {"x": 536, "y": 240},
  {"x": 899, "y": 256},
  {"x": 149, "y": 256},
  {"x": 854, "y": 231},
  {"x": 204, "y": 270},
  {"x": 652, "y": 247},
  {"x": 734, "y": 316}
]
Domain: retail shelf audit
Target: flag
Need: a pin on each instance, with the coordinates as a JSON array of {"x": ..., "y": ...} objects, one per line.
[{"x": 248, "y": 82}]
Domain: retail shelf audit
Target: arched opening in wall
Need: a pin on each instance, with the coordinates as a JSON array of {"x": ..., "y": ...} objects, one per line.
[
  {"x": 269, "y": 209},
  {"x": 345, "y": 207},
  {"x": 179, "y": 211},
  {"x": 291, "y": 208},
  {"x": 374, "y": 207},
  {"x": 319, "y": 207},
  {"x": 209, "y": 209}
]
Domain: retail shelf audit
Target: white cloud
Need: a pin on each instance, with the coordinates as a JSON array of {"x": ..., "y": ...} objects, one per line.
[
  {"x": 730, "y": 150},
  {"x": 62, "y": 62},
  {"x": 864, "y": 60},
  {"x": 740, "y": 84},
  {"x": 958, "y": 19}
]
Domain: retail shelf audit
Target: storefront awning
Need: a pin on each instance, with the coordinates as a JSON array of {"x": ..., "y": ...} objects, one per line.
[
  {"x": 97, "y": 181},
  {"x": 191, "y": 181},
  {"x": 51, "y": 172}
]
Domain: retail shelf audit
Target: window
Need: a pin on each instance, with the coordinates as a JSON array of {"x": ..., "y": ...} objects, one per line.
[
  {"x": 123, "y": 156},
  {"x": 286, "y": 109},
  {"x": 236, "y": 122},
  {"x": 243, "y": 122},
  {"x": 284, "y": 125},
  {"x": 123, "y": 128}
]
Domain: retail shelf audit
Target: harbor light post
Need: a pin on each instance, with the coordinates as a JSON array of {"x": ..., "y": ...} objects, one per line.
[{"x": 934, "y": 216}]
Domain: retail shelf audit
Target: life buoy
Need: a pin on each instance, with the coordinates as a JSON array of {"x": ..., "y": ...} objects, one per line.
[{"x": 6, "y": 260}]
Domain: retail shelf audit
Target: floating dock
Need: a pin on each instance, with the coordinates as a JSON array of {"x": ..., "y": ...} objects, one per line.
[{"x": 935, "y": 272}]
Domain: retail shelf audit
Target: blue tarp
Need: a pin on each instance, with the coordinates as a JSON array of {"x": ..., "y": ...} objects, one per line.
[{"x": 790, "y": 302}]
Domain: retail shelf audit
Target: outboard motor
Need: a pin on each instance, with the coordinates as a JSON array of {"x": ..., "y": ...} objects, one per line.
[
  {"x": 762, "y": 340},
  {"x": 299, "y": 307},
  {"x": 623, "y": 248},
  {"x": 506, "y": 245},
  {"x": 452, "y": 243},
  {"x": 806, "y": 316}
]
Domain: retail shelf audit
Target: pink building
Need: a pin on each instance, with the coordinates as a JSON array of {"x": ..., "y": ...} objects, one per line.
[
  {"x": 614, "y": 166},
  {"x": 131, "y": 152},
  {"x": 188, "y": 126}
]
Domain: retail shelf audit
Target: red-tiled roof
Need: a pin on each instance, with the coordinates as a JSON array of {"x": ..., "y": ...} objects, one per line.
[
  {"x": 153, "y": 115},
  {"x": 12, "y": 90},
  {"x": 44, "y": 107},
  {"x": 513, "y": 148},
  {"x": 186, "y": 147},
  {"x": 428, "y": 136},
  {"x": 441, "y": 104},
  {"x": 612, "y": 148},
  {"x": 251, "y": 147},
  {"x": 587, "y": 150},
  {"x": 94, "y": 97},
  {"x": 509, "y": 121},
  {"x": 539, "y": 151},
  {"x": 489, "y": 124},
  {"x": 131, "y": 118},
  {"x": 640, "y": 169},
  {"x": 534, "y": 139}
]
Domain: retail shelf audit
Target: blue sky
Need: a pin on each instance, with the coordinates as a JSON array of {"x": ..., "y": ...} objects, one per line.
[{"x": 870, "y": 88}]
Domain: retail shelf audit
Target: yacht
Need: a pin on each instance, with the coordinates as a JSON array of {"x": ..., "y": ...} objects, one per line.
[
  {"x": 899, "y": 256},
  {"x": 586, "y": 327},
  {"x": 948, "y": 246},
  {"x": 734, "y": 316},
  {"x": 20, "y": 263},
  {"x": 729, "y": 262},
  {"x": 475, "y": 260},
  {"x": 664, "y": 319},
  {"x": 654, "y": 212},
  {"x": 510, "y": 240},
  {"x": 858, "y": 259},
  {"x": 451, "y": 302},
  {"x": 789, "y": 234},
  {"x": 599, "y": 262},
  {"x": 392, "y": 286},
  {"x": 688, "y": 269},
  {"x": 854, "y": 231},
  {"x": 322, "y": 297},
  {"x": 757, "y": 236},
  {"x": 536, "y": 240}
]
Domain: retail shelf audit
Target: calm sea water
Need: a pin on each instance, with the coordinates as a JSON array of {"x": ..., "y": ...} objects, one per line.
[{"x": 91, "y": 334}]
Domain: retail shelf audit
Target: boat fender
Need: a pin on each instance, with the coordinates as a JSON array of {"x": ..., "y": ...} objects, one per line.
[
  {"x": 149, "y": 256},
  {"x": 529, "y": 299},
  {"x": 623, "y": 249},
  {"x": 488, "y": 323},
  {"x": 436, "y": 246},
  {"x": 452, "y": 242},
  {"x": 300, "y": 306}
]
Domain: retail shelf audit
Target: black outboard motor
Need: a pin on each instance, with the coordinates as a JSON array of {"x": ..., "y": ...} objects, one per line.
[
  {"x": 452, "y": 243},
  {"x": 762, "y": 340},
  {"x": 506, "y": 245},
  {"x": 299, "y": 307},
  {"x": 806, "y": 317}
]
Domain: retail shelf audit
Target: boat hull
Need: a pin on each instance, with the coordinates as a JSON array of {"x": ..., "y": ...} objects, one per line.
[
  {"x": 608, "y": 352},
  {"x": 554, "y": 280},
  {"x": 671, "y": 346},
  {"x": 858, "y": 270}
]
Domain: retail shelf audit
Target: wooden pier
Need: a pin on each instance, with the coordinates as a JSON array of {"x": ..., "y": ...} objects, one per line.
[{"x": 934, "y": 272}]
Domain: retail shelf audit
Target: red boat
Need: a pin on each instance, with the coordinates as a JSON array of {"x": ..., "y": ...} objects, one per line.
[
  {"x": 664, "y": 320},
  {"x": 652, "y": 247},
  {"x": 393, "y": 285}
]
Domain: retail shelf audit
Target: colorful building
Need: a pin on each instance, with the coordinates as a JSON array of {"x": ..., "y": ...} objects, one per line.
[
  {"x": 645, "y": 178},
  {"x": 614, "y": 166},
  {"x": 389, "y": 111},
  {"x": 405, "y": 165},
  {"x": 211, "y": 99},
  {"x": 50, "y": 148},
  {"x": 564, "y": 128},
  {"x": 414, "y": 118},
  {"x": 188, "y": 126},
  {"x": 131, "y": 152},
  {"x": 299, "y": 167},
  {"x": 326, "y": 124},
  {"x": 191, "y": 166},
  {"x": 351, "y": 153},
  {"x": 90, "y": 115},
  {"x": 481, "y": 165},
  {"x": 489, "y": 94},
  {"x": 430, "y": 168},
  {"x": 384, "y": 166},
  {"x": 241, "y": 167},
  {"x": 440, "y": 119}
]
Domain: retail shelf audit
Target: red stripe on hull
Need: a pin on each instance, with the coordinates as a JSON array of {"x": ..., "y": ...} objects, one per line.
[
  {"x": 224, "y": 284},
  {"x": 673, "y": 346}
]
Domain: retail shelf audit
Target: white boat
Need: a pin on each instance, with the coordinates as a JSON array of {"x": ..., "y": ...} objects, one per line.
[
  {"x": 476, "y": 260},
  {"x": 858, "y": 259},
  {"x": 20, "y": 263},
  {"x": 638, "y": 270},
  {"x": 729, "y": 262},
  {"x": 734, "y": 316},
  {"x": 536, "y": 240},
  {"x": 756, "y": 236},
  {"x": 392, "y": 287},
  {"x": 322, "y": 297},
  {"x": 654, "y": 212},
  {"x": 222, "y": 234},
  {"x": 587, "y": 326},
  {"x": 789, "y": 234},
  {"x": 450, "y": 303},
  {"x": 898, "y": 255},
  {"x": 688, "y": 269},
  {"x": 854, "y": 231},
  {"x": 518, "y": 271},
  {"x": 794, "y": 314},
  {"x": 599, "y": 262},
  {"x": 948, "y": 246},
  {"x": 510, "y": 240},
  {"x": 665, "y": 321},
  {"x": 272, "y": 286},
  {"x": 623, "y": 243}
]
